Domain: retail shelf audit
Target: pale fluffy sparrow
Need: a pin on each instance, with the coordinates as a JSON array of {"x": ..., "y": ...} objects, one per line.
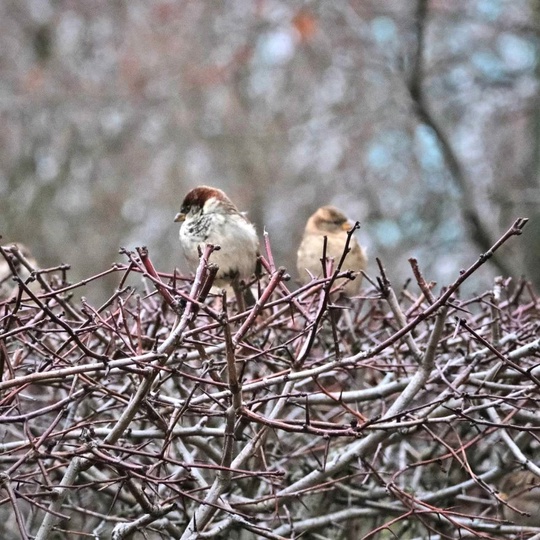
[
  {"x": 521, "y": 489},
  {"x": 330, "y": 222},
  {"x": 208, "y": 216}
]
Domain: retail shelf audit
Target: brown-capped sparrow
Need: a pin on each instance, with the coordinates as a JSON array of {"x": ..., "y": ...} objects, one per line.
[
  {"x": 521, "y": 489},
  {"x": 8, "y": 287},
  {"x": 208, "y": 216},
  {"x": 330, "y": 222}
]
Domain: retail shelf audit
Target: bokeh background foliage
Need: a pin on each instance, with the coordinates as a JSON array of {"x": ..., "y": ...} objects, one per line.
[{"x": 419, "y": 118}]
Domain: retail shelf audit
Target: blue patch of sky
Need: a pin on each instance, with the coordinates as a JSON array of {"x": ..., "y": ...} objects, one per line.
[
  {"x": 429, "y": 152},
  {"x": 430, "y": 157},
  {"x": 459, "y": 78},
  {"x": 411, "y": 223},
  {"x": 517, "y": 52},
  {"x": 456, "y": 41},
  {"x": 384, "y": 30},
  {"x": 275, "y": 48},
  {"x": 489, "y": 10},
  {"x": 388, "y": 148},
  {"x": 449, "y": 230},
  {"x": 378, "y": 155},
  {"x": 387, "y": 232},
  {"x": 489, "y": 65}
]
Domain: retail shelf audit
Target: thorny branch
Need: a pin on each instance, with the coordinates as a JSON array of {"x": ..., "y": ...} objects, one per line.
[{"x": 180, "y": 417}]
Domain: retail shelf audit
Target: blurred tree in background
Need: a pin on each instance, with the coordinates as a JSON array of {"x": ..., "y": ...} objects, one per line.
[{"x": 419, "y": 119}]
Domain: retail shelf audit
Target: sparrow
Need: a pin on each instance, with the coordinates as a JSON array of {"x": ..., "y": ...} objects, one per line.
[
  {"x": 330, "y": 222},
  {"x": 208, "y": 216},
  {"x": 521, "y": 489},
  {"x": 8, "y": 287}
]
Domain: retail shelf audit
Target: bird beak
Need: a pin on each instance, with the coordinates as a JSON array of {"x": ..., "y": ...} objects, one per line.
[
  {"x": 180, "y": 217},
  {"x": 347, "y": 226}
]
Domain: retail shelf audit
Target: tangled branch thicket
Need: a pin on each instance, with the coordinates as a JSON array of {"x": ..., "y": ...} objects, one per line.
[{"x": 171, "y": 415}]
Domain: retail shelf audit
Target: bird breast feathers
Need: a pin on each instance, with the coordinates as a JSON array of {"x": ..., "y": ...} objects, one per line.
[
  {"x": 334, "y": 246},
  {"x": 232, "y": 232}
]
